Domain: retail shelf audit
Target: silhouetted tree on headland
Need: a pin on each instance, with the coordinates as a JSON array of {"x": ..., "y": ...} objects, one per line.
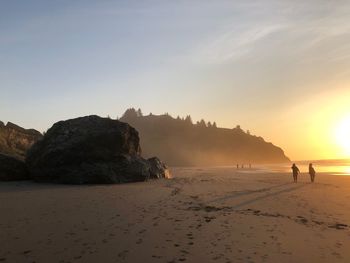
[
  {"x": 201, "y": 124},
  {"x": 139, "y": 113},
  {"x": 188, "y": 119},
  {"x": 130, "y": 114}
]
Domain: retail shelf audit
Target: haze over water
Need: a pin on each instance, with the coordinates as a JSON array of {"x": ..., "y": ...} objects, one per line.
[{"x": 334, "y": 167}]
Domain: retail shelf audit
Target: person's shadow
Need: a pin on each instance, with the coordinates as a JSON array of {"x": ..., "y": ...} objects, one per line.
[{"x": 267, "y": 194}]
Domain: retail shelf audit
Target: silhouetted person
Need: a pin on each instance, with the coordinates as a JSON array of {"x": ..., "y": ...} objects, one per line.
[
  {"x": 295, "y": 170},
  {"x": 237, "y": 166},
  {"x": 242, "y": 166},
  {"x": 250, "y": 166},
  {"x": 312, "y": 172}
]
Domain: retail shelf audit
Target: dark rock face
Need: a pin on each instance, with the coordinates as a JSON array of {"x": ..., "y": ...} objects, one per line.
[
  {"x": 12, "y": 169},
  {"x": 88, "y": 150},
  {"x": 158, "y": 169},
  {"x": 15, "y": 140}
]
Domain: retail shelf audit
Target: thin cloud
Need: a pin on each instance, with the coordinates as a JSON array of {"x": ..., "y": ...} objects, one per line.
[{"x": 235, "y": 43}]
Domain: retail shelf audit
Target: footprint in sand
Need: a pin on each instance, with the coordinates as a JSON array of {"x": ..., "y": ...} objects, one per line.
[
  {"x": 302, "y": 220},
  {"x": 338, "y": 245},
  {"x": 123, "y": 254},
  {"x": 209, "y": 218},
  {"x": 338, "y": 226},
  {"x": 175, "y": 191}
]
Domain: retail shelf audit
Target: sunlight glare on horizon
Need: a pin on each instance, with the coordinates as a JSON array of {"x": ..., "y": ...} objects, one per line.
[
  {"x": 320, "y": 126},
  {"x": 332, "y": 129},
  {"x": 342, "y": 134}
]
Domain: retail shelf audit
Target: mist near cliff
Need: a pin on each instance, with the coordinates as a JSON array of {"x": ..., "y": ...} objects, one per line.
[{"x": 179, "y": 142}]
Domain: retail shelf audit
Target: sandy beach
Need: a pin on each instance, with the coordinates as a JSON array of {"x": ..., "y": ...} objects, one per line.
[{"x": 200, "y": 215}]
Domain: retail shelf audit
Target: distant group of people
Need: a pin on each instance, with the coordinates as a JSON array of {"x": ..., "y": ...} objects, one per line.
[
  {"x": 296, "y": 171},
  {"x": 242, "y": 166}
]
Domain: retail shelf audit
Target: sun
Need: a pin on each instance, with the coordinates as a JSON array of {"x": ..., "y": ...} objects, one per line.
[{"x": 342, "y": 134}]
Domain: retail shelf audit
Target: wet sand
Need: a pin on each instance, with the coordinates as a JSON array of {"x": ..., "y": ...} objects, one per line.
[{"x": 201, "y": 215}]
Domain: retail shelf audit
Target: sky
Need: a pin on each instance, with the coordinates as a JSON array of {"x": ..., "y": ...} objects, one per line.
[{"x": 280, "y": 69}]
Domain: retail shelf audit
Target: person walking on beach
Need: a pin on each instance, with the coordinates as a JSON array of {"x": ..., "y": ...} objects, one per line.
[
  {"x": 312, "y": 173},
  {"x": 295, "y": 170}
]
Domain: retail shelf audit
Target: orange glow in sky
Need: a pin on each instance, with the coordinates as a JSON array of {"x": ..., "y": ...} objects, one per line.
[
  {"x": 342, "y": 134},
  {"x": 316, "y": 129}
]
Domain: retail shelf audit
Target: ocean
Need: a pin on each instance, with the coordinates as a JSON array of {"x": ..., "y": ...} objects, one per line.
[{"x": 336, "y": 167}]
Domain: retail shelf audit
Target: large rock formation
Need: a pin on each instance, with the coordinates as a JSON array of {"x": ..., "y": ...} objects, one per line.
[
  {"x": 89, "y": 150},
  {"x": 12, "y": 169},
  {"x": 15, "y": 140},
  {"x": 179, "y": 142}
]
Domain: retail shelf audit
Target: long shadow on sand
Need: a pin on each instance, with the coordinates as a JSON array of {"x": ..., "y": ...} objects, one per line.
[
  {"x": 290, "y": 189},
  {"x": 248, "y": 192},
  {"x": 267, "y": 195}
]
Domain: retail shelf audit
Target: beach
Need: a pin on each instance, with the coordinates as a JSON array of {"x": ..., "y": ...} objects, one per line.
[{"x": 199, "y": 215}]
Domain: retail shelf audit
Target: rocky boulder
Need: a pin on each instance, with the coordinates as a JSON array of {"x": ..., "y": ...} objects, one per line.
[
  {"x": 158, "y": 169},
  {"x": 15, "y": 140},
  {"x": 88, "y": 150},
  {"x": 12, "y": 169}
]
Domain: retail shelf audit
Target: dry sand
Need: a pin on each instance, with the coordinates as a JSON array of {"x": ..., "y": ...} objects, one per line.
[{"x": 201, "y": 215}]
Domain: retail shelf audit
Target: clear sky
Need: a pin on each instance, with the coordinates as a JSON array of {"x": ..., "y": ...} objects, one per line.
[{"x": 278, "y": 68}]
